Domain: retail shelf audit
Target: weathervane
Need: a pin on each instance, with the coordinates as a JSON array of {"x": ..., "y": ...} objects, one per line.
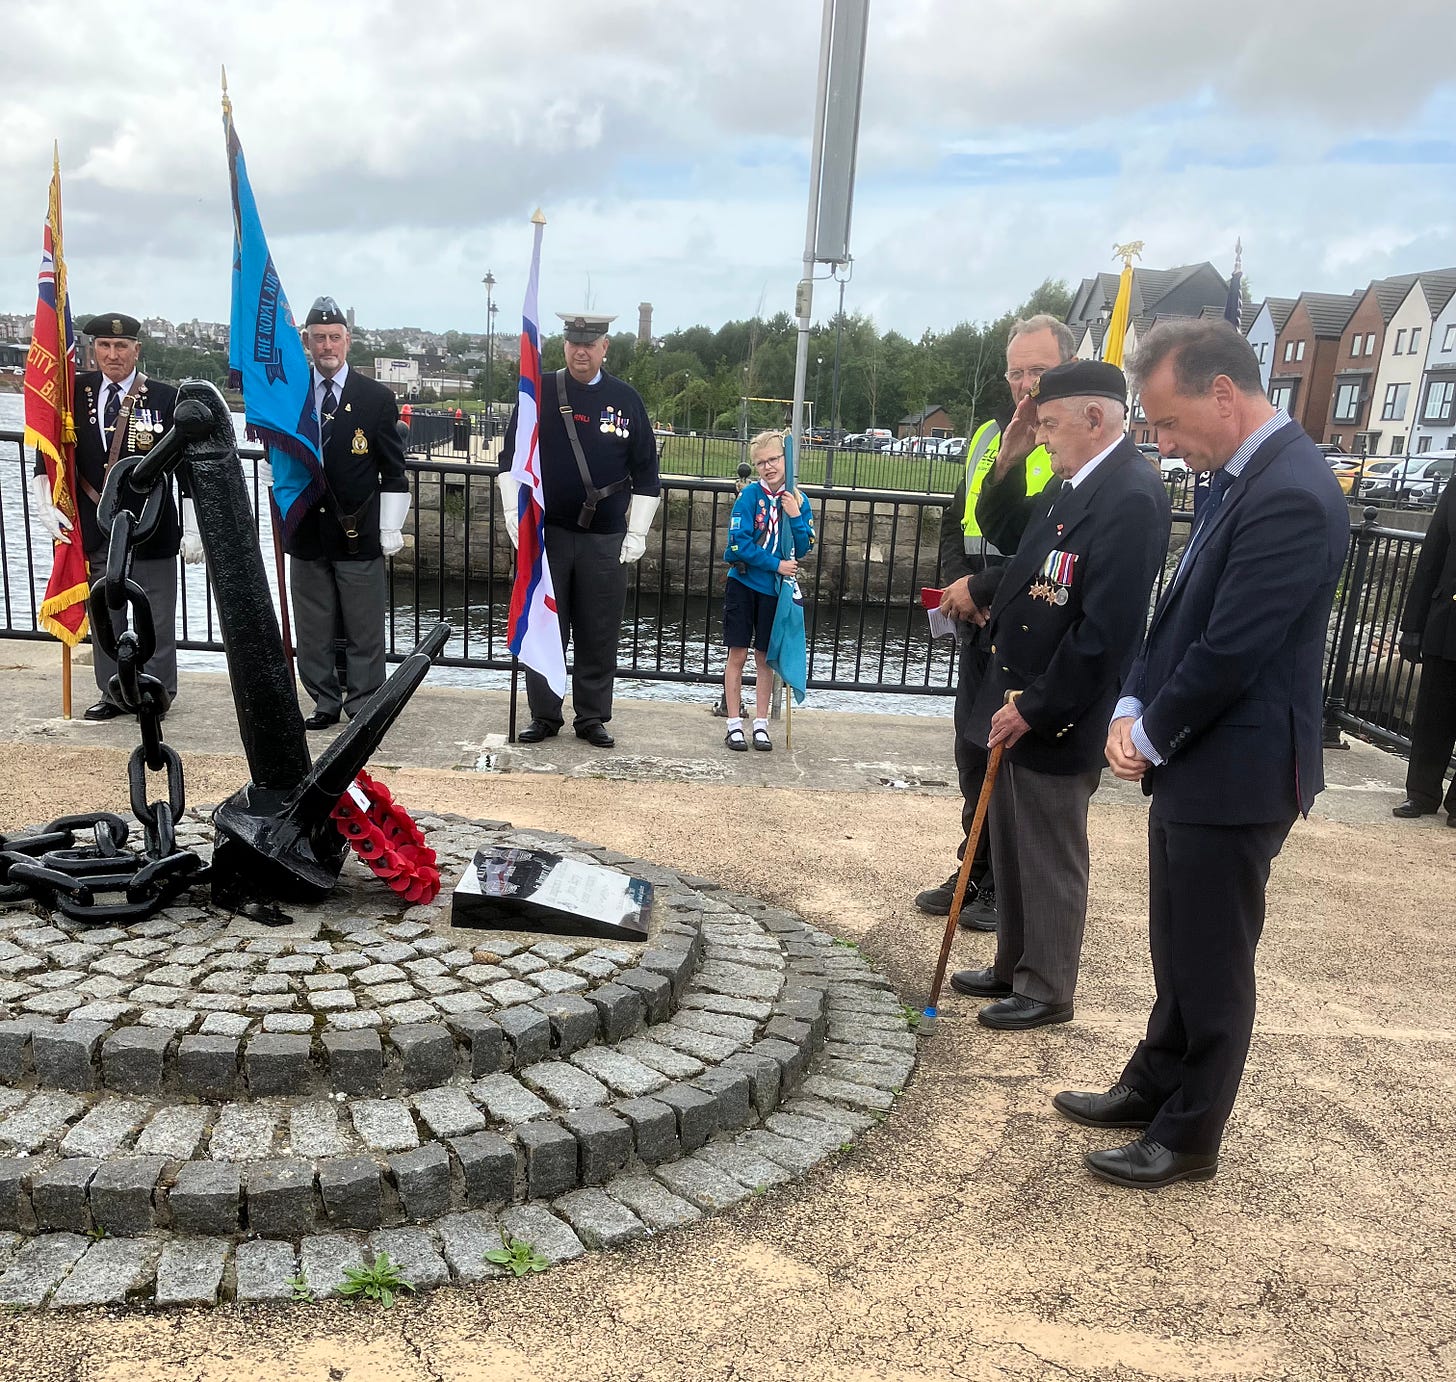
[{"x": 1128, "y": 252}]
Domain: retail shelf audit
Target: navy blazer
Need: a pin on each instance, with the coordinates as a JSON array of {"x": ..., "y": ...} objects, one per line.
[
  {"x": 1430, "y": 604},
  {"x": 1068, "y": 659},
  {"x": 1231, "y": 672},
  {"x": 365, "y": 456}
]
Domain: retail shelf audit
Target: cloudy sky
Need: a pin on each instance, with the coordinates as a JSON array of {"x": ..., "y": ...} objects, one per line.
[{"x": 397, "y": 149}]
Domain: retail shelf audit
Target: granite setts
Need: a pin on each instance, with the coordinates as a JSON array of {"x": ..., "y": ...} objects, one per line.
[{"x": 453, "y": 1096}]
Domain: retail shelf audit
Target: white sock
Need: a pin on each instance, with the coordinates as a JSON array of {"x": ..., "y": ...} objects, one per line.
[
  {"x": 760, "y": 724},
  {"x": 734, "y": 723}
]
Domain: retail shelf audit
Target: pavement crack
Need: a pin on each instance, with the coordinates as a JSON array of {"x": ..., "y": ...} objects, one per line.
[{"x": 431, "y": 1370}]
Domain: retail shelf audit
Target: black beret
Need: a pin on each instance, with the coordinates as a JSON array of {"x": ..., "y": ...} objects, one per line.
[
  {"x": 1081, "y": 379},
  {"x": 115, "y": 326},
  {"x": 325, "y": 312}
]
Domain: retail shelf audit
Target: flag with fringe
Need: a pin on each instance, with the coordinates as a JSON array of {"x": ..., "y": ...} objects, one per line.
[
  {"x": 50, "y": 427},
  {"x": 266, "y": 359},
  {"x": 534, "y": 630}
]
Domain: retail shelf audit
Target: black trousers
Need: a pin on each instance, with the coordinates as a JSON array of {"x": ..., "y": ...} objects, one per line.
[
  {"x": 1433, "y": 735},
  {"x": 971, "y": 758},
  {"x": 591, "y": 593},
  {"x": 1206, "y": 914}
]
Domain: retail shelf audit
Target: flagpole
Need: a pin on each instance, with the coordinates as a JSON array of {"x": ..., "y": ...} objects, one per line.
[
  {"x": 515, "y": 673},
  {"x": 283, "y": 621},
  {"x": 66, "y": 680}
]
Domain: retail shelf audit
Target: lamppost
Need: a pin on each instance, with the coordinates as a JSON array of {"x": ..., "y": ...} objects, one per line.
[
  {"x": 687, "y": 405},
  {"x": 489, "y": 281},
  {"x": 818, "y": 366}
]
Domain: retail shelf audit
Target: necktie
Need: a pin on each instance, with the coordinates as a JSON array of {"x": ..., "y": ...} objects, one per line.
[
  {"x": 112, "y": 410},
  {"x": 1218, "y": 484},
  {"x": 326, "y": 414}
]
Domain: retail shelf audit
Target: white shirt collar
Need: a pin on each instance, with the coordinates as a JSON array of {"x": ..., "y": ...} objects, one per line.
[
  {"x": 1096, "y": 461},
  {"x": 125, "y": 385},
  {"x": 338, "y": 381}
]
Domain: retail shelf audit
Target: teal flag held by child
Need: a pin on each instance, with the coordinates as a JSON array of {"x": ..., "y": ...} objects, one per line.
[{"x": 788, "y": 650}]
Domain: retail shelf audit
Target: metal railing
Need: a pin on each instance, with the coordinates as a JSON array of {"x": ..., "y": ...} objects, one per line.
[{"x": 865, "y": 626}]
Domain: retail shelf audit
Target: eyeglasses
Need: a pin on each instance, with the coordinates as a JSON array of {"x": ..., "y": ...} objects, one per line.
[
  {"x": 1015, "y": 376},
  {"x": 768, "y": 460}
]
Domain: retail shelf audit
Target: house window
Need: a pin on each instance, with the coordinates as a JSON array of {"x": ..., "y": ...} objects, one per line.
[
  {"x": 1399, "y": 342},
  {"x": 1396, "y": 396},
  {"x": 1424, "y": 444},
  {"x": 1288, "y": 351},
  {"x": 1370, "y": 343},
  {"x": 1415, "y": 344},
  {"x": 1264, "y": 349},
  {"x": 1337, "y": 440},
  {"x": 1450, "y": 342},
  {"x": 1397, "y": 445},
  {"x": 1355, "y": 344},
  {"x": 1347, "y": 403},
  {"x": 1282, "y": 396},
  {"x": 1438, "y": 400},
  {"x": 1299, "y": 350}
]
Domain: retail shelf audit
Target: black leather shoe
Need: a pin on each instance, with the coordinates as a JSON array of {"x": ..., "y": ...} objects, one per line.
[
  {"x": 1120, "y": 1107},
  {"x": 596, "y": 735},
  {"x": 979, "y": 983},
  {"x": 980, "y": 915},
  {"x": 536, "y": 732},
  {"x": 1409, "y": 811},
  {"x": 1020, "y": 1014},
  {"x": 1145, "y": 1165},
  {"x": 102, "y": 710},
  {"x": 319, "y": 720}
]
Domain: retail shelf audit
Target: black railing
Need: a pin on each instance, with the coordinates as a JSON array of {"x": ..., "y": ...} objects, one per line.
[{"x": 866, "y": 628}]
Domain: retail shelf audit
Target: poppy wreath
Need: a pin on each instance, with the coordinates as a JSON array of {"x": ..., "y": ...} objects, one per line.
[{"x": 383, "y": 834}]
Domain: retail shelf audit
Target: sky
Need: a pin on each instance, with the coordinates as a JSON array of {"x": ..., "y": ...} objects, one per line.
[{"x": 397, "y": 150}]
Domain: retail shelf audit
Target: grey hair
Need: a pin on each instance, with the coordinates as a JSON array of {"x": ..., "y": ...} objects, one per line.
[
  {"x": 1044, "y": 321},
  {"x": 1201, "y": 350}
]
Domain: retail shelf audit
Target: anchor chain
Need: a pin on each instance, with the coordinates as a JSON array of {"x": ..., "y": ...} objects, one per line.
[{"x": 84, "y": 880}]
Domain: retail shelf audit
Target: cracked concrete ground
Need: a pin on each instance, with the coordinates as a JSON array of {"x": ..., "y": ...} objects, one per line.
[{"x": 961, "y": 1239}]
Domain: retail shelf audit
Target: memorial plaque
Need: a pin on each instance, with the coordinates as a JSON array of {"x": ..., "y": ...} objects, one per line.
[{"x": 534, "y": 890}]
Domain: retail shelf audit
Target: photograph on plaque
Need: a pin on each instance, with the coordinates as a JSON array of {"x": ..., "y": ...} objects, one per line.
[{"x": 534, "y": 890}]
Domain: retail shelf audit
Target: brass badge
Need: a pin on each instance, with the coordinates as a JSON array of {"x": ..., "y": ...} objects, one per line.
[
  {"x": 360, "y": 444},
  {"x": 1042, "y": 590}
]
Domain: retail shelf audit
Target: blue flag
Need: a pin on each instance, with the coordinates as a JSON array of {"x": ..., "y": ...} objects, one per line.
[
  {"x": 788, "y": 650},
  {"x": 266, "y": 359}
]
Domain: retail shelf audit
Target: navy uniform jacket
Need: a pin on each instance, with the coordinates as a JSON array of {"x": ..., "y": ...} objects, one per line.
[
  {"x": 1104, "y": 543},
  {"x": 1230, "y": 675},
  {"x": 1430, "y": 605},
  {"x": 151, "y": 416},
  {"x": 365, "y": 455}
]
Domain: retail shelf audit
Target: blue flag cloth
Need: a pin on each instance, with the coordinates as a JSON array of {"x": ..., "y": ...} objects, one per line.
[
  {"x": 266, "y": 358},
  {"x": 788, "y": 649}
]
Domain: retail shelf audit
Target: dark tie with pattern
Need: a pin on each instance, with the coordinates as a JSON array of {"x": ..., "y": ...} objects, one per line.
[
  {"x": 1218, "y": 484},
  {"x": 112, "y": 410},
  {"x": 326, "y": 413}
]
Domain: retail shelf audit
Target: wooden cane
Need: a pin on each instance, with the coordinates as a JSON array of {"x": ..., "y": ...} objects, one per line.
[{"x": 963, "y": 877}]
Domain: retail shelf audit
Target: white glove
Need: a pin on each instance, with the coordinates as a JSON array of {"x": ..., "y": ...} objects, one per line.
[
  {"x": 46, "y": 514},
  {"x": 265, "y": 474},
  {"x": 510, "y": 492},
  {"x": 639, "y": 519},
  {"x": 191, "y": 535},
  {"x": 393, "y": 510}
]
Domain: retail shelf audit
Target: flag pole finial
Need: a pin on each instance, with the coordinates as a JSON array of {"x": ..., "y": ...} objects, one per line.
[
  {"x": 1133, "y": 249},
  {"x": 537, "y": 219},
  {"x": 1239, "y": 255},
  {"x": 227, "y": 105}
]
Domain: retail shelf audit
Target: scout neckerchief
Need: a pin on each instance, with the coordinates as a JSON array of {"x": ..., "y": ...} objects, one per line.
[
  {"x": 593, "y": 495},
  {"x": 774, "y": 497}
]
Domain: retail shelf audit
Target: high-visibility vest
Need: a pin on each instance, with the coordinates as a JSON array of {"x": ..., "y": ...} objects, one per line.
[{"x": 980, "y": 458}]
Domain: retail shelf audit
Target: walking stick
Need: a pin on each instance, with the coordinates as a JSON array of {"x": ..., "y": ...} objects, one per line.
[{"x": 963, "y": 877}]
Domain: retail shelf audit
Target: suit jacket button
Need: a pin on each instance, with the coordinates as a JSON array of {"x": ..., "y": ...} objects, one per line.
[{"x": 1025, "y": 629}]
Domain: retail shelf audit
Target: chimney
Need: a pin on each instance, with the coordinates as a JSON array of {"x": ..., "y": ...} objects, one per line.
[{"x": 644, "y": 323}]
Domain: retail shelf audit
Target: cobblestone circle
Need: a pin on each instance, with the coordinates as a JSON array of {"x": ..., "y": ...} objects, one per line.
[{"x": 201, "y": 1108}]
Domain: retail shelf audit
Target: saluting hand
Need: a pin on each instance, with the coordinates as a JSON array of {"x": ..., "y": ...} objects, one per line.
[{"x": 1018, "y": 441}]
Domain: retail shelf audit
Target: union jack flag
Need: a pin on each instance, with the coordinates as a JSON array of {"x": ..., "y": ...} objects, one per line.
[
  {"x": 534, "y": 631},
  {"x": 50, "y": 389}
]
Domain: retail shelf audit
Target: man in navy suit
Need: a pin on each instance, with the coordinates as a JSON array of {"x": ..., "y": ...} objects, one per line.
[
  {"x": 1220, "y": 721},
  {"x": 337, "y": 552},
  {"x": 1064, "y": 626}
]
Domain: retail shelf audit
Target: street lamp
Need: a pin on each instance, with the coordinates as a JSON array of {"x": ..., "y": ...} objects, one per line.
[
  {"x": 818, "y": 366},
  {"x": 687, "y": 405},
  {"x": 489, "y": 281}
]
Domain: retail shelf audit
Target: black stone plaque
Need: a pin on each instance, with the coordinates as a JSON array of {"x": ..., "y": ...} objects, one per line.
[{"x": 508, "y": 889}]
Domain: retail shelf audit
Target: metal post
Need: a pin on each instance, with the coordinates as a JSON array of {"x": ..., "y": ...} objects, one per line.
[
  {"x": 489, "y": 281},
  {"x": 1350, "y": 599}
]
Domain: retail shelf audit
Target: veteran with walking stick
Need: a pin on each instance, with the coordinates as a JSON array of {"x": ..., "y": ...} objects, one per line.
[
  {"x": 600, "y": 482},
  {"x": 1064, "y": 626}
]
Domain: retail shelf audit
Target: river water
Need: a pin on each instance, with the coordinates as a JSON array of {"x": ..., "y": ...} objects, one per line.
[{"x": 689, "y": 630}]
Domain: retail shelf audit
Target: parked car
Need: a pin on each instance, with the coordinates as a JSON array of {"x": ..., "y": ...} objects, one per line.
[
  {"x": 954, "y": 448},
  {"x": 853, "y": 441},
  {"x": 1408, "y": 479}
]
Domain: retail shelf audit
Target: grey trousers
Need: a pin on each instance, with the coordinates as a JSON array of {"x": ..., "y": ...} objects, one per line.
[
  {"x": 158, "y": 579},
  {"x": 1040, "y": 858},
  {"x": 591, "y": 593},
  {"x": 332, "y": 598}
]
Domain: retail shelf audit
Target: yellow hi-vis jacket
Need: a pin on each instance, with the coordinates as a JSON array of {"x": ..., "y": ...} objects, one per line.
[{"x": 980, "y": 458}]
